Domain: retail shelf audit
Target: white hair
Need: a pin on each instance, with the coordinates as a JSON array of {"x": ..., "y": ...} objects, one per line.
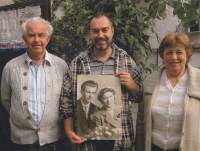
[{"x": 37, "y": 19}]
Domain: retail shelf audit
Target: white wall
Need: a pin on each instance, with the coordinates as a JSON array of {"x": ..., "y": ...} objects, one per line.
[{"x": 169, "y": 25}]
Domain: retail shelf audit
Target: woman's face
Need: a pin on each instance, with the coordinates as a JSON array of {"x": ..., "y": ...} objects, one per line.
[
  {"x": 175, "y": 59},
  {"x": 108, "y": 99}
]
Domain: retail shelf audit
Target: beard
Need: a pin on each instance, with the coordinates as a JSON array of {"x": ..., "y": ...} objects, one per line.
[{"x": 101, "y": 47}]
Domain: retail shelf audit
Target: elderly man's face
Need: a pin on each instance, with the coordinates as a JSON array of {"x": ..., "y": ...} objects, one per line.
[
  {"x": 108, "y": 100},
  {"x": 36, "y": 38}
]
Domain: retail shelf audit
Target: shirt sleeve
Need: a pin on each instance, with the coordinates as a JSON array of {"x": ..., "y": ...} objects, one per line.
[
  {"x": 137, "y": 77},
  {"x": 66, "y": 102}
]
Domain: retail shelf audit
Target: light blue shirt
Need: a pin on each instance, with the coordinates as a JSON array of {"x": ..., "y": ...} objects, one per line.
[{"x": 36, "y": 87}]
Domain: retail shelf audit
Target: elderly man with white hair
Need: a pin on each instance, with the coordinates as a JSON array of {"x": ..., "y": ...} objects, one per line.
[{"x": 30, "y": 91}]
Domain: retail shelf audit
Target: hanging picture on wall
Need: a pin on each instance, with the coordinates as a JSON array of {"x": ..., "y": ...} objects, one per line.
[{"x": 99, "y": 107}]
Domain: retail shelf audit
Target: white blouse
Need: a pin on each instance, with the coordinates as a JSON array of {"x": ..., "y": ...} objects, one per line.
[{"x": 167, "y": 113}]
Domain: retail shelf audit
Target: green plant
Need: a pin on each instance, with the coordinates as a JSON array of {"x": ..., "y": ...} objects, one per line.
[
  {"x": 186, "y": 10},
  {"x": 65, "y": 38},
  {"x": 130, "y": 22}
]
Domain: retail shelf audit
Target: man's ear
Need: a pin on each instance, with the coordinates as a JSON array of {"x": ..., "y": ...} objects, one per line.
[
  {"x": 48, "y": 38},
  {"x": 112, "y": 29}
]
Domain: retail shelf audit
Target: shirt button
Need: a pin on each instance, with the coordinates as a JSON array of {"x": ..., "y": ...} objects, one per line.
[
  {"x": 182, "y": 133},
  {"x": 28, "y": 118},
  {"x": 24, "y": 103},
  {"x": 24, "y": 88},
  {"x": 38, "y": 129},
  {"x": 25, "y": 74},
  {"x": 26, "y": 61}
]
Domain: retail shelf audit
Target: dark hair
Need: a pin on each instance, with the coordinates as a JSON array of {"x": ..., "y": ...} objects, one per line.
[
  {"x": 88, "y": 83},
  {"x": 104, "y": 90},
  {"x": 99, "y": 16},
  {"x": 174, "y": 38}
]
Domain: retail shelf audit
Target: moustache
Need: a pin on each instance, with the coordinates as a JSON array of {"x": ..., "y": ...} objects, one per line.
[
  {"x": 100, "y": 39},
  {"x": 36, "y": 45}
]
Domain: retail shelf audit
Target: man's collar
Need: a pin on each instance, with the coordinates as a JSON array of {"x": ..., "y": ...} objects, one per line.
[
  {"x": 93, "y": 58},
  {"x": 83, "y": 104},
  {"x": 47, "y": 58}
]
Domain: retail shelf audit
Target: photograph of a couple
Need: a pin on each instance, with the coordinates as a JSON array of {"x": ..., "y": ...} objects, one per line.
[{"x": 99, "y": 107}]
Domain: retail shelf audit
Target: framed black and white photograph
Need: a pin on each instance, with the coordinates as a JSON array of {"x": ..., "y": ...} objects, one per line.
[{"x": 99, "y": 107}]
